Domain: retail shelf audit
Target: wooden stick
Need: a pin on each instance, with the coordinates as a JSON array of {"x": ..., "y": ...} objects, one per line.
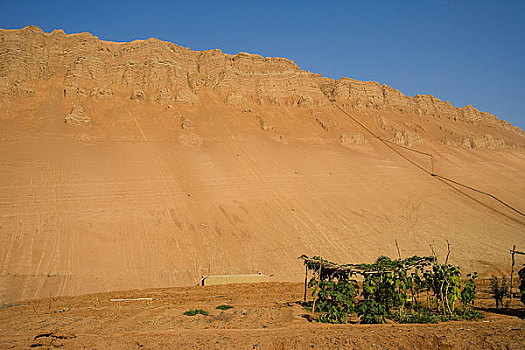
[
  {"x": 317, "y": 288},
  {"x": 398, "y": 253},
  {"x": 131, "y": 299},
  {"x": 305, "y": 281},
  {"x": 512, "y": 252}
]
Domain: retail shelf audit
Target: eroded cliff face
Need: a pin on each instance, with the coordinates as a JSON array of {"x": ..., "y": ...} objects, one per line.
[
  {"x": 146, "y": 164},
  {"x": 34, "y": 64}
]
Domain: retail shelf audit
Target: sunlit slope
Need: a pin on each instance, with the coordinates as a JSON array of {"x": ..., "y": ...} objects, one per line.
[
  {"x": 142, "y": 205},
  {"x": 145, "y": 164}
]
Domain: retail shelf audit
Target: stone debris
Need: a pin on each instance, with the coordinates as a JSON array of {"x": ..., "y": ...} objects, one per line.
[
  {"x": 264, "y": 125},
  {"x": 101, "y": 93},
  {"x": 407, "y": 138},
  {"x": 481, "y": 142},
  {"x": 186, "y": 123},
  {"x": 353, "y": 139},
  {"x": 138, "y": 95},
  {"x": 77, "y": 116},
  {"x": 187, "y": 97},
  {"x": 235, "y": 99}
]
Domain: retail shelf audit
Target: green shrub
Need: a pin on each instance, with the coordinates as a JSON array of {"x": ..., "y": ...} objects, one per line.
[
  {"x": 370, "y": 311},
  {"x": 422, "y": 316},
  {"x": 470, "y": 314},
  {"x": 392, "y": 289},
  {"x": 498, "y": 290},
  {"x": 468, "y": 294},
  {"x": 193, "y": 312},
  {"x": 224, "y": 307}
]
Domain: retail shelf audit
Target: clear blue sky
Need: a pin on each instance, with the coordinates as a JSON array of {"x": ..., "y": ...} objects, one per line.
[{"x": 466, "y": 52}]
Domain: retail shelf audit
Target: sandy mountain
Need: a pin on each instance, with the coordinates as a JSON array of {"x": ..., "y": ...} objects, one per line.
[{"x": 146, "y": 164}]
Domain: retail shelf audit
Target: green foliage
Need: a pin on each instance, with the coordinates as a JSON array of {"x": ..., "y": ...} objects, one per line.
[
  {"x": 335, "y": 296},
  {"x": 444, "y": 281},
  {"x": 391, "y": 289},
  {"x": 333, "y": 313},
  {"x": 421, "y": 316},
  {"x": 521, "y": 273},
  {"x": 193, "y": 312},
  {"x": 498, "y": 290},
  {"x": 224, "y": 307},
  {"x": 384, "y": 263},
  {"x": 470, "y": 314},
  {"x": 387, "y": 287},
  {"x": 468, "y": 294},
  {"x": 370, "y": 312}
]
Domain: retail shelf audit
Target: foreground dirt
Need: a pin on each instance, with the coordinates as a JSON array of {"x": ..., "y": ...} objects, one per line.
[{"x": 264, "y": 316}]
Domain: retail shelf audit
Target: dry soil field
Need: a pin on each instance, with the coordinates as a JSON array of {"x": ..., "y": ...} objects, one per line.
[{"x": 264, "y": 316}]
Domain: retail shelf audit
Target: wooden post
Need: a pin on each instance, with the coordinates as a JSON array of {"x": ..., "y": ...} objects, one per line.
[
  {"x": 512, "y": 271},
  {"x": 431, "y": 164},
  {"x": 305, "y": 281},
  {"x": 317, "y": 288},
  {"x": 398, "y": 252}
]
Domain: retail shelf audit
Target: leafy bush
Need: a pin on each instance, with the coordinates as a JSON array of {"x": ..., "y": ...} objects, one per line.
[
  {"x": 470, "y": 314},
  {"x": 422, "y": 316},
  {"x": 370, "y": 311},
  {"x": 224, "y": 307},
  {"x": 335, "y": 294},
  {"x": 468, "y": 294},
  {"x": 193, "y": 312},
  {"x": 445, "y": 282},
  {"x": 498, "y": 290},
  {"x": 388, "y": 288},
  {"x": 336, "y": 299},
  {"x": 391, "y": 289}
]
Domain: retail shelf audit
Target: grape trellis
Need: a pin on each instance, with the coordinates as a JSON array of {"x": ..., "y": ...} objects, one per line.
[{"x": 415, "y": 289}]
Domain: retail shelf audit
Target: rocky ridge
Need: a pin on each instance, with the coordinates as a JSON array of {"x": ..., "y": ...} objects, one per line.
[{"x": 158, "y": 72}]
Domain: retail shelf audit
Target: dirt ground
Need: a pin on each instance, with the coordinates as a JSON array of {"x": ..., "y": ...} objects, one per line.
[{"x": 264, "y": 316}]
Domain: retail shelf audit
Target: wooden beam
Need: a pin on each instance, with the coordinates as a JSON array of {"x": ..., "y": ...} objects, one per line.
[
  {"x": 132, "y": 299},
  {"x": 317, "y": 289},
  {"x": 512, "y": 252},
  {"x": 305, "y": 281}
]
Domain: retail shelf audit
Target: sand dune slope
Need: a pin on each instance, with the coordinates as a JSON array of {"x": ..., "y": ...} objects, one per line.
[{"x": 139, "y": 165}]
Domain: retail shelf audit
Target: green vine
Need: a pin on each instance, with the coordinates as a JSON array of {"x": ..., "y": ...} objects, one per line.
[{"x": 390, "y": 289}]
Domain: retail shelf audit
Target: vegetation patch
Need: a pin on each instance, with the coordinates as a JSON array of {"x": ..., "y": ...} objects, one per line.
[
  {"x": 224, "y": 307},
  {"x": 498, "y": 289},
  {"x": 412, "y": 290},
  {"x": 193, "y": 312}
]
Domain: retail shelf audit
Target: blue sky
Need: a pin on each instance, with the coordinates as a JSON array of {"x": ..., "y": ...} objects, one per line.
[{"x": 466, "y": 52}]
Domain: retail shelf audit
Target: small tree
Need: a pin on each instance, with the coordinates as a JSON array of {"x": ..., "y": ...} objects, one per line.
[
  {"x": 445, "y": 282},
  {"x": 498, "y": 290},
  {"x": 468, "y": 294}
]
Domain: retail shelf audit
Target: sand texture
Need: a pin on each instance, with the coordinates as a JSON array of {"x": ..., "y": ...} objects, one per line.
[{"x": 146, "y": 164}]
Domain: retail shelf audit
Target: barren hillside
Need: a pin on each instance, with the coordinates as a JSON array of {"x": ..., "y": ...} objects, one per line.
[{"x": 146, "y": 164}]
